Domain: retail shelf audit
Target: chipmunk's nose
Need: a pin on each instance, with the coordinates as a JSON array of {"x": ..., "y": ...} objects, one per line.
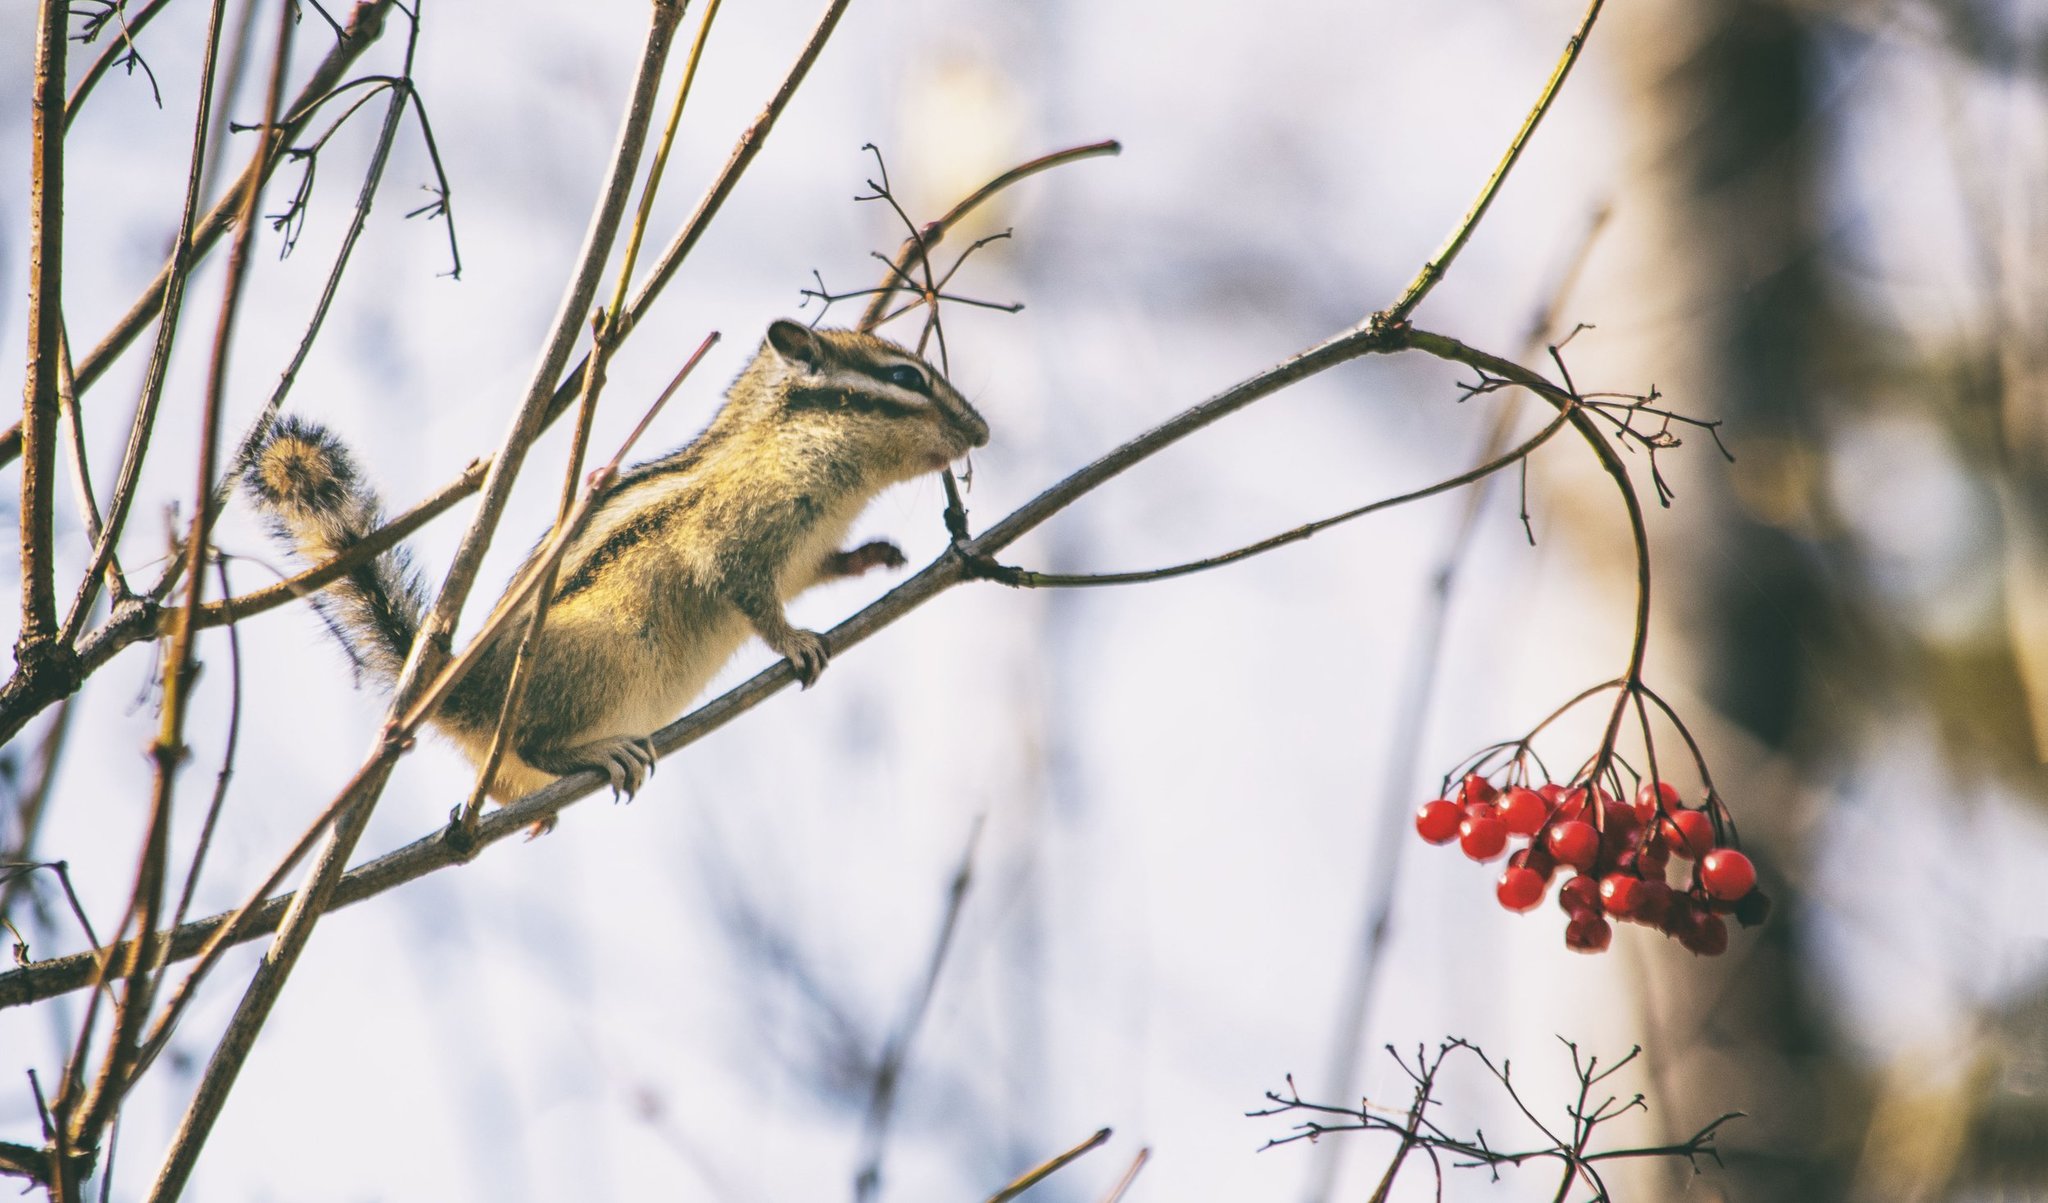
[{"x": 970, "y": 424}]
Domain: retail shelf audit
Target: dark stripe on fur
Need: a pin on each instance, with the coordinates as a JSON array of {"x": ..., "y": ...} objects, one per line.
[
  {"x": 841, "y": 398},
  {"x": 668, "y": 465},
  {"x": 647, "y": 524}
]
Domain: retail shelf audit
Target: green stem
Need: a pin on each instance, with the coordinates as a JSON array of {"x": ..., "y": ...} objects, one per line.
[{"x": 1434, "y": 270}]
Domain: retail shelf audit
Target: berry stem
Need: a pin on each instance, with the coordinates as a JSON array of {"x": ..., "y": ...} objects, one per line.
[
  {"x": 1699, "y": 757},
  {"x": 1649, "y": 742},
  {"x": 1632, "y": 678}
]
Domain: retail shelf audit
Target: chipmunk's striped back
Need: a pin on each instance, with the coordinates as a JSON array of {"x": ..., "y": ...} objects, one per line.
[{"x": 685, "y": 556}]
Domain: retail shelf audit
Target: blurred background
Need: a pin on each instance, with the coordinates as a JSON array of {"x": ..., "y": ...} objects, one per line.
[{"x": 1818, "y": 221}]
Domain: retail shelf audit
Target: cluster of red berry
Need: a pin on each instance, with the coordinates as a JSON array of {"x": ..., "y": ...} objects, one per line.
[{"x": 1621, "y": 854}]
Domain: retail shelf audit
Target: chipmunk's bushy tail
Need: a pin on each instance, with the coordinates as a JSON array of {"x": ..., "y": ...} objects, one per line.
[{"x": 306, "y": 483}]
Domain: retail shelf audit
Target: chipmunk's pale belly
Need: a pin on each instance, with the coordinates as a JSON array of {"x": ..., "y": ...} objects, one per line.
[
  {"x": 660, "y": 698},
  {"x": 657, "y": 683},
  {"x": 666, "y": 683}
]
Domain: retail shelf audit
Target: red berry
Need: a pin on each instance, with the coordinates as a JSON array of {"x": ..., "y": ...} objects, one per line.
[
  {"x": 1652, "y": 857},
  {"x": 1438, "y": 821},
  {"x": 1551, "y": 792},
  {"x": 1618, "y": 894},
  {"x": 1707, "y": 937},
  {"x": 1483, "y": 839},
  {"x": 1615, "y": 843},
  {"x": 1655, "y": 796},
  {"x": 1622, "y": 824},
  {"x": 1588, "y": 932},
  {"x": 1574, "y": 843},
  {"x": 1691, "y": 833},
  {"x": 1727, "y": 874},
  {"x": 1524, "y": 811},
  {"x": 1476, "y": 789},
  {"x": 1680, "y": 915},
  {"x": 1520, "y": 889},
  {"x": 1650, "y": 902},
  {"x": 1535, "y": 858},
  {"x": 1579, "y": 896},
  {"x": 1571, "y": 805}
]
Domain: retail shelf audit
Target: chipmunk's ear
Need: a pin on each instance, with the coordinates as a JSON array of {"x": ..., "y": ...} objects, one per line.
[{"x": 796, "y": 343}]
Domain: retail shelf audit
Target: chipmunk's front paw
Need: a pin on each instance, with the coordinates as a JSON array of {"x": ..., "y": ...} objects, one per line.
[
  {"x": 807, "y": 654},
  {"x": 877, "y": 553}
]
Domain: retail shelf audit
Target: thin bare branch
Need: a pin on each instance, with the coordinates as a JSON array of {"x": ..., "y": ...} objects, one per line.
[
  {"x": 1123, "y": 1184},
  {"x": 31, "y": 803},
  {"x": 1457, "y": 352},
  {"x": 1415, "y": 1131},
  {"x": 888, "y": 1074},
  {"x": 81, "y": 470},
  {"x": 119, "y": 50},
  {"x": 227, "y": 766},
  {"x": 678, "y": 250},
  {"x": 1440, "y": 262},
  {"x": 80, "y": 1120},
  {"x": 373, "y": 176},
  {"x": 923, "y": 240},
  {"x": 365, "y": 26},
  {"x": 312, "y": 580},
  {"x": 1022, "y": 578},
  {"x": 1039, "y": 1173},
  {"x": 169, "y": 751}
]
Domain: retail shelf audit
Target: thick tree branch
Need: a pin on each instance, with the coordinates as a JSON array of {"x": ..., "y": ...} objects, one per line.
[{"x": 45, "y": 332}]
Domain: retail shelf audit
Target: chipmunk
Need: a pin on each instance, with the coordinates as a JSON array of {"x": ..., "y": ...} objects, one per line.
[{"x": 682, "y": 558}]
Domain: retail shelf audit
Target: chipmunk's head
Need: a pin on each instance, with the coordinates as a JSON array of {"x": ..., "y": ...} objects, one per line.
[{"x": 877, "y": 404}]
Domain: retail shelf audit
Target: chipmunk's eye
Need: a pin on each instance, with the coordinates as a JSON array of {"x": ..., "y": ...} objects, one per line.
[{"x": 904, "y": 376}]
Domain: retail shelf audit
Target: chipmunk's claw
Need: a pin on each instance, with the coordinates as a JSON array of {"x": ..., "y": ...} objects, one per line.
[{"x": 808, "y": 654}]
